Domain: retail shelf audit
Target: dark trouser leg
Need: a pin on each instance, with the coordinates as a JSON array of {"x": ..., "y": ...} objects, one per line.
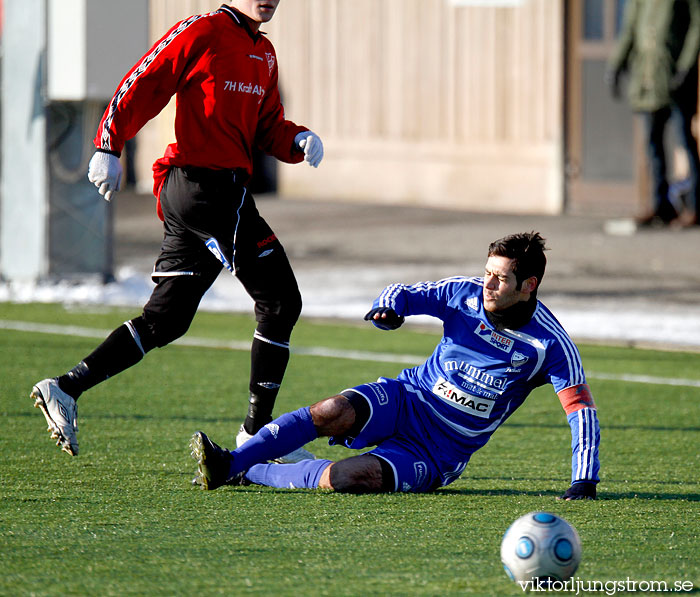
[
  {"x": 655, "y": 126},
  {"x": 271, "y": 283},
  {"x": 167, "y": 316},
  {"x": 684, "y": 117},
  {"x": 209, "y": 209}
]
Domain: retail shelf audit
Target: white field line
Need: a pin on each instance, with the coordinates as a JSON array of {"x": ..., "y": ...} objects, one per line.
[{"x": 318, "y": 351}]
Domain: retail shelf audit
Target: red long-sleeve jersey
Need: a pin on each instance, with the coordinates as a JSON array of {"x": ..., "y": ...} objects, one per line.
[{"x": 225, "y": 80}]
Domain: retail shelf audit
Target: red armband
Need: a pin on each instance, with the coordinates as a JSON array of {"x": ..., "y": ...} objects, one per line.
[{"x": 575, "y": 398}]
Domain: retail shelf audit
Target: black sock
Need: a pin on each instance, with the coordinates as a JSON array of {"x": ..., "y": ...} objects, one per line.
[
  {"x": 268, "y": 363},
  {"x": 120, "y": 350},
  {"x": 79, "y": 377}
]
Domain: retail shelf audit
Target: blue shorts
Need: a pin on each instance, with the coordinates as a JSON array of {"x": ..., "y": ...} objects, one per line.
[{"x": 407, "y": 437}]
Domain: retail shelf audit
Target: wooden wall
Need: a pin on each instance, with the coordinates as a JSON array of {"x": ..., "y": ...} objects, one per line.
[{"x": 417, "y": 101}]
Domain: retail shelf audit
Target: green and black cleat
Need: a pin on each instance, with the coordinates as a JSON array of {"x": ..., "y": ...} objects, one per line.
[{"x": 213, "y": 464}]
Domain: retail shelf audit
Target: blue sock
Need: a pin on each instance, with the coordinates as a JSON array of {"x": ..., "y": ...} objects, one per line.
[
  {"x": 300, "y": 475},
  {"x": 283, "y": 435}
]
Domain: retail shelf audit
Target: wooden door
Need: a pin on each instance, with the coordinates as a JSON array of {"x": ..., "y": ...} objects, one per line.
[{"x": 604, "y": 169}]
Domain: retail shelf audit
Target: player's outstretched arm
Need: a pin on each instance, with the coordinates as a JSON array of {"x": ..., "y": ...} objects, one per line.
[{"x": 585, "y": 438}]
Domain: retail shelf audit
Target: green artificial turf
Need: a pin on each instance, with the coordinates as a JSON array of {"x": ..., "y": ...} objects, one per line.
[{"x": 123, "y": 519}]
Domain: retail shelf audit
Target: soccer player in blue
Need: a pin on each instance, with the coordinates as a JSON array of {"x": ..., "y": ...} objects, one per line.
[{"x": 499, "y": 343}]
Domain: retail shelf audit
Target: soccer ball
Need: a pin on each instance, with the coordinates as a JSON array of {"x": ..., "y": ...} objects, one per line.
[{"x": 540, "y": 545}]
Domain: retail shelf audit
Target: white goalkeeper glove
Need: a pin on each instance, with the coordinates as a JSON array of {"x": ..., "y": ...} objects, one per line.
[
  {"x": 105, "y": 172},
  {"x": 312, "y": 146}
]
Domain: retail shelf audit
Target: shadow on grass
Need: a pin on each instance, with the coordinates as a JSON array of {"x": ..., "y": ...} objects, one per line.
[
  {"x": 606, "y": 496},
  {"x": 499, "y": 492},
  {"x": 602, "y": 496},
  {"x": 644, "y": 495}
]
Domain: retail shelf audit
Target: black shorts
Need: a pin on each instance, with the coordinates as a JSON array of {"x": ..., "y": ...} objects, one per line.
[{"x": 211, "y": 222}]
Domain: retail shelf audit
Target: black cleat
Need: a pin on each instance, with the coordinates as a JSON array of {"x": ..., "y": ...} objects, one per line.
[{"x": 213, "y": 464}]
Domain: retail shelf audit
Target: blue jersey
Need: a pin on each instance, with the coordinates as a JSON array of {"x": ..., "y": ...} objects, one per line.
[{"x": 477, "y": 376}]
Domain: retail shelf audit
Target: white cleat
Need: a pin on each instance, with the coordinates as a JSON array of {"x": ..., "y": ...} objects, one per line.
[
  {"x": 295, "y": 456},
  {"x": 242, "y": 437},
  {"x": 61, "y": 414}
]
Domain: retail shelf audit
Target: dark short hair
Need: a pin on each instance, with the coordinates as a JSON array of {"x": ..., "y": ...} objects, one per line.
[{"x": 527, "y": 250}]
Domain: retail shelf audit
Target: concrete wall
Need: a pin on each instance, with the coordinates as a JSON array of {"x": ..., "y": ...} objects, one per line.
[{"x": 23, "y": 205}]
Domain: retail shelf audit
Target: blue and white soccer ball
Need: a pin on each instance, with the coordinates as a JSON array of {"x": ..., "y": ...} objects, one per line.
[{"x": 540, "y": 546}]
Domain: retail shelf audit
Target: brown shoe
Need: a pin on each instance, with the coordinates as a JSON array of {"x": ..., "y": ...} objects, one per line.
[{"x": 686, "y": 220}]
